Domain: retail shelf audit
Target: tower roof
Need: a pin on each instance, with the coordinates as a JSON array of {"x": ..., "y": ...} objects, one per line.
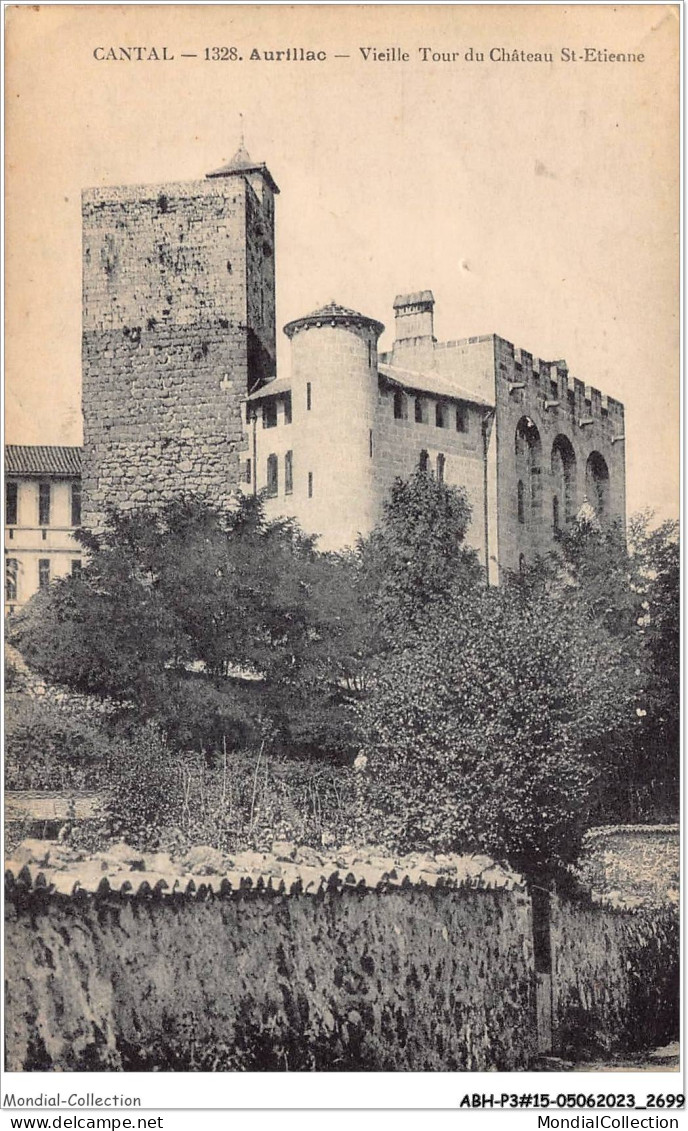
[
  {"x": 332, "y": 314},
  {"x": 242, "y": 163}
]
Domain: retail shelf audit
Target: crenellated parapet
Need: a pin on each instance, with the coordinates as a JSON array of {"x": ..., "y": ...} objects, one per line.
[{"x": 548, "y": 387}]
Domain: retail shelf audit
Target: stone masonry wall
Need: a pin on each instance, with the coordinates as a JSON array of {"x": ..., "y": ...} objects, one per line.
[
  {"x": 400, "y": 442},
  {"x": 558, "y": 406},
  {"x": 171, "y": 342}
]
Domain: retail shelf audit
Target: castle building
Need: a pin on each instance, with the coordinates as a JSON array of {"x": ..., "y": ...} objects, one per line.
[
  {"x": 42, "y": 511},
  {"x": 180, "y": 390}
]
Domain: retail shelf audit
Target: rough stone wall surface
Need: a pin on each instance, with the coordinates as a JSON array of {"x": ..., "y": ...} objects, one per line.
[
  {"x": 615, "y": 978},
  {"x": 415, "y": 980},
  {"x": 178, "y": 323},
  {"x": 588, "y": 421}
]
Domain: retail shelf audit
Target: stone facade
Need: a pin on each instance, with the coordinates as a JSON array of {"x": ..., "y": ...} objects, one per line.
[
  {"x": 181, "y": 393},
  {"x": 529, "y": 446},
  {"x": 178, "y": 326}
]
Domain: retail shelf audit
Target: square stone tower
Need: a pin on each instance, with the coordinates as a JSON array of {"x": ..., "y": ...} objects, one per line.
[{"x": 178, "y": 327}]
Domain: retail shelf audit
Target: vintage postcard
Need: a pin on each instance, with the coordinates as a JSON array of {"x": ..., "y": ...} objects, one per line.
[{"x": 341, "y": 559}]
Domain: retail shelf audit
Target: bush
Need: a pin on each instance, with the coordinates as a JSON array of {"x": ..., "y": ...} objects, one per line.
[
  {"x": 50, "y": 746},
  {"x": 156, "y": 798}
]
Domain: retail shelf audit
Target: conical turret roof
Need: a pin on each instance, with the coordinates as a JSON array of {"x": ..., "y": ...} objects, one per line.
[{"x": 332, "y": 314}]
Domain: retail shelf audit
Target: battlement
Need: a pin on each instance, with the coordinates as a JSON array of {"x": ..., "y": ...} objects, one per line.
[{"x": 556, "y": 388}]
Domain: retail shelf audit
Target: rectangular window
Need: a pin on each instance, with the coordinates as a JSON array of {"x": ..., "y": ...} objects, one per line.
[
  {"x": 439, "y": 415},
  {"x": 310, "y": 484},
  {"x": 76, "y": 567},
  {"x": 44, "y": 504},
  {"x": 10, "y": 503},
  {"x": 288, "y": 473},
  {"x": 370, "y": 443},
  {"x": 440, "y": 468},
  {"x": 43, "y": 573},
  {"x": 308, "y": 396},
  {"x": 418, "y": 411},
  {"x": 273, "y": 476},
  {"x": 76, "y": 504},
  {"x": 461, "y": 418},
  {"x": 11, "y": 574},
  {"x": 270, "y": 413},
  {"x": 287, "y": 409}
]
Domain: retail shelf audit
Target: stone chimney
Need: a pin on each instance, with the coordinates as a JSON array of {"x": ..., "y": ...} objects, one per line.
[
  {"x": 413, "y": 316},
  {"x": 413, "y": 324}
]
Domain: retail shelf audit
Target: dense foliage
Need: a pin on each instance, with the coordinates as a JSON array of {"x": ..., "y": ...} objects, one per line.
[
  {"x": 484, "y": 732},
  {"x": 217, "y": 626},
  {"x": 494, "y": 719}
]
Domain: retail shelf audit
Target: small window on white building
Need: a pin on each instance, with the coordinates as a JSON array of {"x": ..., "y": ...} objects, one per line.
[
  {"x": 43, "y": 573},
  {"x": 11, "y": 575},
  {"x": 247, "y": 472},
  {"x": 10, "y": 503},
  {"x": 308, "y": 397},
  {"x": 289, "y": 473},
  {"x": 440, "y": 415},
  {"x": 270, "y": 413},
  {"x": 440, "y": 468},
  {"x": 461, "y": 418},
  {"x": 287, "y": 409},
  {"x": 76, "y": 504},
  {"x": 310, "y": 484},
  {"x": 272, "y": 476},
  {"x": 423, "y": 462},
  {"x": 399, "y": 405},
  {"x": 44, "y": 504}
]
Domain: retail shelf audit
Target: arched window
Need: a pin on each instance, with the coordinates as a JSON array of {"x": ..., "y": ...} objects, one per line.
[
  {"x": 423, "y": 461},
  {"x": 564, "y": 476},
  {"x": 597, "y": 483},
  {"x": 272, "y": 477},
  {"x": 440, "y": 468},
  {"x": 528, "y": 460},
  {"x": 555, "y": 514},
  {"x": 399, "y": 405},
  {"x": 521, "y": 503}
]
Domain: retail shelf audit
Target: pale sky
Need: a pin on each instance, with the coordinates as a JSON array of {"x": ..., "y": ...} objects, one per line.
[{"x": 537, "y": 200}]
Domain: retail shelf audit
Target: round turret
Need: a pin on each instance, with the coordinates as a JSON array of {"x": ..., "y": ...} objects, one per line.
[
  {"x": 334, "y": 315},
  {"x": 334, "y": 387}
]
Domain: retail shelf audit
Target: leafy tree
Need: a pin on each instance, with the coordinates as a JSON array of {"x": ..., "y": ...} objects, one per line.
[
  {"x": 178, "y": 607},
  {"x": 416, "y": 557},
  {"x": 632, "y": 587},
  {"x": 484, "y": 732}
]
